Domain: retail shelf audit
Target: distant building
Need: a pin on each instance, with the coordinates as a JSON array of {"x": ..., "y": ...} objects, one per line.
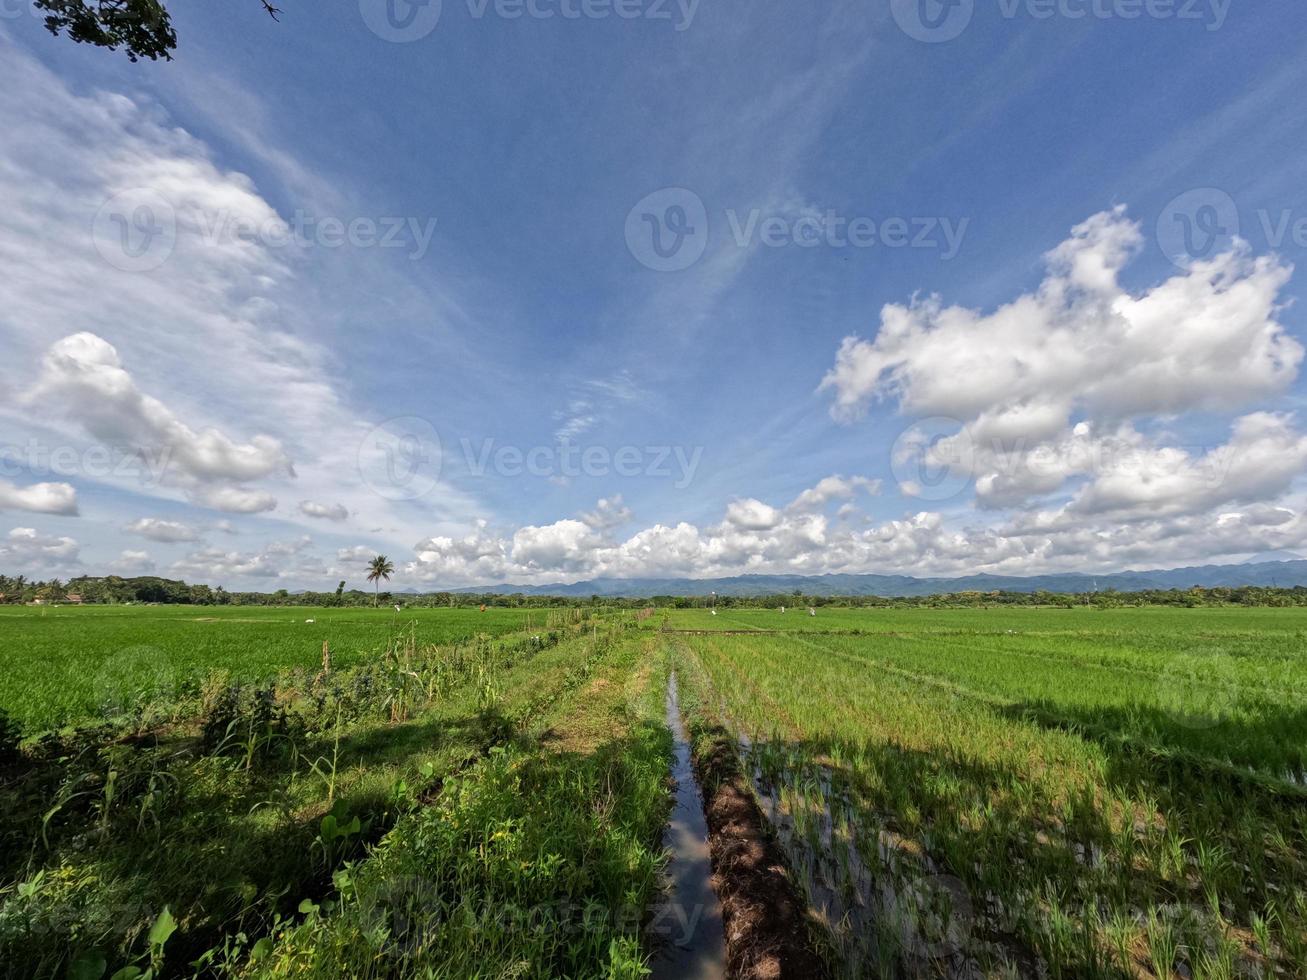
[{"x": 74, "y": 598}]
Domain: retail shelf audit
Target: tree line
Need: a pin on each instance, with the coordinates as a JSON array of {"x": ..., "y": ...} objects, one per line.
[{"x": 117, "y": 590}]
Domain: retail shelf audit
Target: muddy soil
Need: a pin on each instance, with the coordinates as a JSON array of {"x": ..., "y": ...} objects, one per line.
[{"x": 767, "y": 933}]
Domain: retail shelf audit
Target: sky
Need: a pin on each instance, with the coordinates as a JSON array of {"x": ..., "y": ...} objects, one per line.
[{"x": 535, "y": 291}]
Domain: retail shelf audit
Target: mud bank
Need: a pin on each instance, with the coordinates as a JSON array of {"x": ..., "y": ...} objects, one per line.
[{"x": 767, "y": 935}]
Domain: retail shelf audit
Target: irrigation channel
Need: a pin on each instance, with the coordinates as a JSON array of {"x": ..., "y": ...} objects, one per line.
[{"x": 690, "y": 919}]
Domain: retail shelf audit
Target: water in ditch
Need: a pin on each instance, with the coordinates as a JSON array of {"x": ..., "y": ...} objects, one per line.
[{"x": 688, "y": 922}]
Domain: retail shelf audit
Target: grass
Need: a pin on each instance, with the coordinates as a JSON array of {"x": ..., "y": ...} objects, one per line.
[
  {"x": 61, "y": 665},
  {"x": 540, "y": 861},
  {"x": 1006, "y": 792},
  {"x": 231, "y": 827},
  {"x": 1050, "y": 799}
]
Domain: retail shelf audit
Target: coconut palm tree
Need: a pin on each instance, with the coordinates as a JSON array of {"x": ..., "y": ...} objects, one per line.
[{"x": 379, "y": 568}]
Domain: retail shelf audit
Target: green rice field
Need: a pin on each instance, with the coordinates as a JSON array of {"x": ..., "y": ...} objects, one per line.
[
  {"x": 1008, "y": 793},
  {"x": 67, "y": 663}
]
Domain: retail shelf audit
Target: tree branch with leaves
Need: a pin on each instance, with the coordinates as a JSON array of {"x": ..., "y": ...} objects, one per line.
[{"x": 142, "y": 28}]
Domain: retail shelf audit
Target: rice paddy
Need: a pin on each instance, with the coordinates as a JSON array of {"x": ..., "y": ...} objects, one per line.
[
  {"x": 1068, "y": 794},
  {"x": 971, "y": 792},
  {"x": 67, "y": 663}
]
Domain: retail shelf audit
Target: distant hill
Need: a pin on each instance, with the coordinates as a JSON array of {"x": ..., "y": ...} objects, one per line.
[
  {"x": 1281, "y": 573},
  {"x": 1270, "y": 556}
]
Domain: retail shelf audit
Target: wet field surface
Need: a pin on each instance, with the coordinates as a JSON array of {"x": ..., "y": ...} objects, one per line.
[{"x": 689, "y": 921}]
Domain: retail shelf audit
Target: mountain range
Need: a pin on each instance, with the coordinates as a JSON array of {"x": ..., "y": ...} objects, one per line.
[{"x": 1284, "y": 574}]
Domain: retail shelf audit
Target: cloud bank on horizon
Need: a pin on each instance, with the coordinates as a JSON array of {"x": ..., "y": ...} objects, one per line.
[{"x": 193, "y": 388}]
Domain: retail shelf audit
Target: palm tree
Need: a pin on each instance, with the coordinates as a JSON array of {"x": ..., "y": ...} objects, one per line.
[{"x": 379, "y": 568}]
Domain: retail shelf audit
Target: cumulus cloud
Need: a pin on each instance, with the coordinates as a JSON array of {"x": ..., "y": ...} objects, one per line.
[
  {"x": 213, "y": 565},
  {"x": 752, "y": 536},
  {"x": 752, "y": 515},
  {"x": 39, "y": 498},
  {"x": 1052, "y": 388},
  {"x": 83, "y": 377},
  {"x": 235, "y": 500},
  {"x": 833, "y": 488},
  {"x": 358, "y": 553},
  {"x": 132, "y": 563},
  {"x": 1258, "y": 463},
  {"x": 327, "y": 512},
  {"x": 157, "y": 529},
  {"x": 1205, "y": 338},
  {"x": 609, "y": 513},
  {"x": 25, "y": 549}
]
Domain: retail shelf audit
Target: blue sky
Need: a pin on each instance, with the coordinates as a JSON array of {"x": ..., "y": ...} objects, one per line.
[{"x": 451, "y": 237}]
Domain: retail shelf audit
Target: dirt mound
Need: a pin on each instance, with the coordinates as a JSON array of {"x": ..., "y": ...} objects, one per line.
[{"x": 767, "y": 936}]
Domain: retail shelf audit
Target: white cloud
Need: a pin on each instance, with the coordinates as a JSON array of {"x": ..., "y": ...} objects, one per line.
[
  {"x": 214, "y": 566},
  {"x": 294, "y": 546},
  {"x": 40, "y": 498},
  {"x": 833, "y": 488},
  {"x": 752, "y": 515},
  {"x": 1259, "y": 463},
  {"x": 157, "y": 529},
  {"x": 609, "y": 513},
  {"x": 25, "y": 550},
  {"x": 1052, "y": 388},
  {"x": 329, "y": 512},
  {"x": 358, "y": 553},
  {"x": 236, "y": 500},
  {"x": 130, "y": 563},
  {"x": 564, "y": 545},
  {"x": 228, "y": 328},
  {"x": 1205, "y": 338},
  {"x": 83, "y": 379}
]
